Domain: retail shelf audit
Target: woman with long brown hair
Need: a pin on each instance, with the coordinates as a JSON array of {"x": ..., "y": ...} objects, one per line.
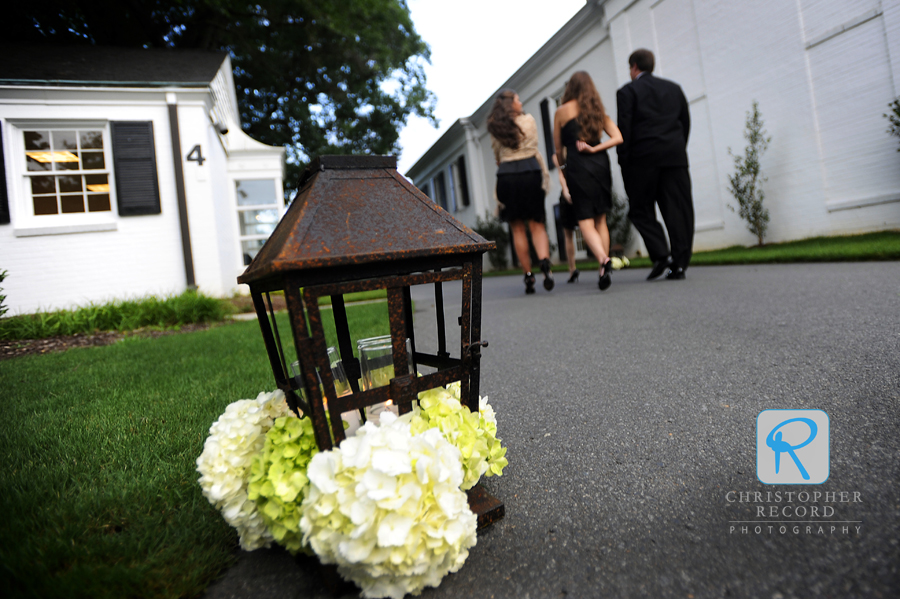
[
  {"x": 522, "y": 182},
  {"x": 578, "y": 126}
]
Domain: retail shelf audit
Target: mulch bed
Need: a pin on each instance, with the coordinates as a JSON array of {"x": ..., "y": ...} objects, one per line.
[{"x": 28, "y": 347}]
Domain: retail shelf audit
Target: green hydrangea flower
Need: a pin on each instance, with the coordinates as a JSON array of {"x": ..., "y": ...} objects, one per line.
[
  {"x": 475, "y": 435},
  {"x": 278, "y": 481}
]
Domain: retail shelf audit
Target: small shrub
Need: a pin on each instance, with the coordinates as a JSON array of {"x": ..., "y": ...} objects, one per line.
[
  {"x": 620, "y": 229},
  {"x": 894, "y": 118},
  {"x": 492, "y": 229},
  {"x": 171, "y": 312},
  {"x": 746, "y": 183},
  {"x": 3, "y": 307}
]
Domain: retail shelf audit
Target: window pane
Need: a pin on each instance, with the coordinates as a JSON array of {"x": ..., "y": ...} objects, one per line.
[
  {"x": 37, "y": 140},
  {"x": 440, "y": 191},
  {"x": 45, "y": 205},
  {"x": 39, "y": 161},
  {"x": 65, "y": 140},
  {"x": 92, "y": 140},
  {"x": 69, "y": 184},
  {"x": 96, "y": 183},
  {"x": 40, "y": 185},
  {"x": 255, "y": 192},
  {"x": 250, "y": 249},
  {"x": 98, "y": 202},
  {"x": 66, "y": 161},
  {"x": 92, "y": 160},
  {"x": 258, "y": 222},
  {"x": 72, "y": 204}
]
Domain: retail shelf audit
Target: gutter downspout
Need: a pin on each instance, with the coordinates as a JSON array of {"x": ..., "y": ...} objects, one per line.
[{"x": 172, "y": 101}]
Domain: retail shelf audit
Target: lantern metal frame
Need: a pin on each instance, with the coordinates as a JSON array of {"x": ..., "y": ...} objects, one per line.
[{"x": 406, "y": 260}]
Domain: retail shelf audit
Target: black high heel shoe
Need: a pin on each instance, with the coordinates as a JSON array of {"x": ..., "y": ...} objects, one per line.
[
  {"x": 529, "y": 283},
  {"x": 548, "y": 276},
  {"x": 574, "y": 276},
  {"x": 605, "y": 279}
]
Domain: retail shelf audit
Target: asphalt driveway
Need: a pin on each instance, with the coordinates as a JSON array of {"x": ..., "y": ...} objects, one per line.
[{"x": 630, "y": 418}]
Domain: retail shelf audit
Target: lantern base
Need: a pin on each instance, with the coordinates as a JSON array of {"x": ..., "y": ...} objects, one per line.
[{"x": 486, "y": 507}]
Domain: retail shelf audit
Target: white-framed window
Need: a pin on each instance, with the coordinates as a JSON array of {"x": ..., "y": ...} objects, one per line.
[
  {"x": 452, "y": 203},
  {"x": 64, "y": 171},
  {"x": 67, "y": 170},
  {"x": 79, "y": 176},
  {"x": 460, "y": 183},
  {"x": 259, "y": 210},
  {"x": 440, "y": 190}
]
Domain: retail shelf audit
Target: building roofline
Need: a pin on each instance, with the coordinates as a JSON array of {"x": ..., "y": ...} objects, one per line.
[
  {"x": 103, "y": 84},
  {"x": 441, "y": 145},
  {"x": 556, "y": 44}
]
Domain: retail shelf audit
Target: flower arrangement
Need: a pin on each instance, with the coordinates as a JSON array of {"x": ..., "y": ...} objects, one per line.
[
  {"x": 388, "y": 506},
  {"x": 619, "y": 263},
  {"x": 235, "y": 439}
]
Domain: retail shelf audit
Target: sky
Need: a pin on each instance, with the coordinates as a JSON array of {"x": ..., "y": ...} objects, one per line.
[{"x": 472, "y": 55}]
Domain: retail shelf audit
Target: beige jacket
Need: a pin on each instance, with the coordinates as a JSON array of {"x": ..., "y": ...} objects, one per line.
[{"x": 528, "y": 147}]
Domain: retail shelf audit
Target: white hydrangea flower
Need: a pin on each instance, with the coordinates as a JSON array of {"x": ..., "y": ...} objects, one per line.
[
  {"x": 487, "y": 412},
  {"x": 386, "y": 507},
  {"x": 224, "y": 466},
  {"x": 475, "y": 435}
]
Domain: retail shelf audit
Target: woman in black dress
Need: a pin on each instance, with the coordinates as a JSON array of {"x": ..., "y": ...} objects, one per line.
[
  {"x": 578, "y": 126},
  {"x": 522, "y": 182}
]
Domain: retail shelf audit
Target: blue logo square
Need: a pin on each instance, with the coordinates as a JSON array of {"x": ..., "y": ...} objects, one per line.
[{"x": 793, "y": 447}]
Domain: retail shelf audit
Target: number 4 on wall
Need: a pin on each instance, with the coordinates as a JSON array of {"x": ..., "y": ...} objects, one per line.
[{"x": 196, "y": 155}]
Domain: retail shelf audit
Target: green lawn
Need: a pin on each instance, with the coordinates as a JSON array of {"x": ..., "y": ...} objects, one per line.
[
  {"x": 883, "y": 245},
  {"x": 99, "y": 489}
]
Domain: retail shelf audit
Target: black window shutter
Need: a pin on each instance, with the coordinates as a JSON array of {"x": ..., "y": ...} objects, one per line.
[
  {"x": 548, "y": 132},
  {"x": 463, "y": 180},
  {"x": 134, "y": 159},
  {"x": 4, "y": 199}
]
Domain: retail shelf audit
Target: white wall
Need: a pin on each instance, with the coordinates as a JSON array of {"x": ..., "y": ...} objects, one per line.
[
  {"x": 823, "y": 72},
  {"x": 137, "y": 255},
  {"x": 141, "y": 256}
]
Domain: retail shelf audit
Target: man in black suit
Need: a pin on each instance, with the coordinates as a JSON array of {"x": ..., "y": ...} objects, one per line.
[{"x": 654, "y": 120}]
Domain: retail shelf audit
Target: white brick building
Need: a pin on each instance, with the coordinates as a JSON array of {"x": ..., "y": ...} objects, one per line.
[
  {"x": 126, "y": 173},
  {"x": 823, "y": 72}
]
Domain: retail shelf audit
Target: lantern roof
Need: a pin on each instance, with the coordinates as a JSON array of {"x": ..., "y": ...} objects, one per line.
[{"x": 355, "y": 210}]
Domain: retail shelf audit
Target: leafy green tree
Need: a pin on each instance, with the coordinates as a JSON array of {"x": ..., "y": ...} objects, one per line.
[
  {"x": 746, "y": 183},
  {"x": 315, "y": 76},
  {"x": 894, "y": 117}
]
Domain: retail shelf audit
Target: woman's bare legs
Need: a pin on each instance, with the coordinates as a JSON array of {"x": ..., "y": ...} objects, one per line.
[
  {"x": 540, "y": 240},
  {"x": 590, "y": 231},
  {"x": 542, "y": 249},
  {"x": 520, "y": 243},
  {"x": 569, "y": 240},
  {"x": 603, "y": 230},
  {"x": 593, "y": 230}
]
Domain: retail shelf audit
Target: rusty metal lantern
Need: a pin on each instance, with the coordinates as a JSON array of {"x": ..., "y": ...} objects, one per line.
[{"x": 355, "y": 225}]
